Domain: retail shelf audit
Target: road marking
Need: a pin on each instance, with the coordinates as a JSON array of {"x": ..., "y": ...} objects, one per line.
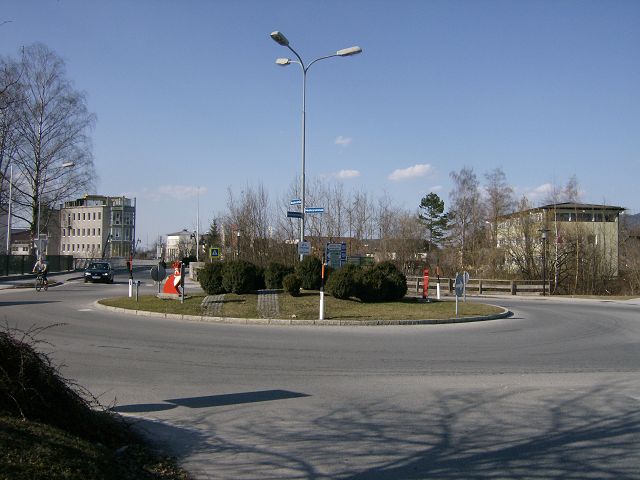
[{"x": 85, "y": 310}]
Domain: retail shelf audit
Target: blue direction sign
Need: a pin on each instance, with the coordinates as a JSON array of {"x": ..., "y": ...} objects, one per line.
[
  {"x": 296, "y": 201},
  {"x": 294, "y": 214},
  {"x": 314, "y": 210}
]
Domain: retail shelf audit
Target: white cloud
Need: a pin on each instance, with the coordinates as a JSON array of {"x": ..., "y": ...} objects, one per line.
[
  {"x": 345, "y": 174},
  {"x": 539, "y": 193},
  {"x": 343, "y": 141},
  {"x": 419, "y": 170},
  {"x": 180, "y": 192}
]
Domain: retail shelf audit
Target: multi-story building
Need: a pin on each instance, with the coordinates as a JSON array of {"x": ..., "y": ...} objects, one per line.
[
  {"x": 97, "y": 226},
  {"x": 582, "y": 228}
]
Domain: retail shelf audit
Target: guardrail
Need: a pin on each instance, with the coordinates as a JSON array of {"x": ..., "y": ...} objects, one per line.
[{"x": 477, "y": 286}]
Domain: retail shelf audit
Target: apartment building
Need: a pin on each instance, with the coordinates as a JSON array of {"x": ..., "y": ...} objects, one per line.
[{"x": 97, "y": 226}]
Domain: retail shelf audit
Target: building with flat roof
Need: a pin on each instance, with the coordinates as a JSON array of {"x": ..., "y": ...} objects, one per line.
[
  {"x": 97, "y": 226},
  {"x": 588, "y": 232}
]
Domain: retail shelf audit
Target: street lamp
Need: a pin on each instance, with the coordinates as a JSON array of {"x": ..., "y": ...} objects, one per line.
[
  {"x": 9, "y": 210},
  {"x": 280, "y": 39},
  {"x": 44, "y": 183},
  {"x": 544, "y": 261}
]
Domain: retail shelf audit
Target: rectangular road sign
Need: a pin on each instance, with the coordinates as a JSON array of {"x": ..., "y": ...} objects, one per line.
[
  {"x": 304, "y": 248},
  {"x": 294, "y": 214},
  {"x": 314, "y": 210},
  {"x": 214, "y": 252},
  {"x": 296, "y": 201}
]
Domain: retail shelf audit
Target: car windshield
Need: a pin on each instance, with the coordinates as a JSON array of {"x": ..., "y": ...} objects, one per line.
[{"x": 102, "y": 266}]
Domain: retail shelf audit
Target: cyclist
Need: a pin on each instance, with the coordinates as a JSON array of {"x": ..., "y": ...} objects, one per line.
[{"x": 40, "y": 268}]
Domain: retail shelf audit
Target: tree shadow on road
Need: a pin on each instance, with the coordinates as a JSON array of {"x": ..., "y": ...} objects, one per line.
[{"x": 474, "y": 435}]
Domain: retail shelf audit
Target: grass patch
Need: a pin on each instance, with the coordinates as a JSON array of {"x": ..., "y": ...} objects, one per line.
[
  {"x": 306, "y": 307},
  {"x": 50, "y": 428}
]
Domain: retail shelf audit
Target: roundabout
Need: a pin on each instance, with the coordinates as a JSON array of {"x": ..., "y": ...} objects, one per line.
[{"x": 549, "y": 392}]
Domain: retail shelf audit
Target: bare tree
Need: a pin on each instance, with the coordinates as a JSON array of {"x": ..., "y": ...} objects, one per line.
[
  {"x": 251, "y": 220},
  {"x": 9, "y": 139},
  {"x": 499, "y": 200},
  {"x": 466, "y": 219},
  {"x": 53, "y": 125}
]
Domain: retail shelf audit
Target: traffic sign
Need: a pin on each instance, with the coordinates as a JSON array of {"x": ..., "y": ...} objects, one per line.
[
  {"x": 336, "y": 254},
  {"x": 214, "y": 252},
  {"x": 296, "y": 201},
  {"x": 158, "y": 273},
  {"x": 294, "y": 214},
  {"x": 459, "y": 285},
  {"x": 304, "y": 248},
  {"x": 314, "y": 210}
]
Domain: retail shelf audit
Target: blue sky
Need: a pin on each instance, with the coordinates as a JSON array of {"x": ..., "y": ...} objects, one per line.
[{"x": 189, "y": 99}]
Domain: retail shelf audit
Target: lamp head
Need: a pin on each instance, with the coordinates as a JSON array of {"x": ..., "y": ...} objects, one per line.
[
  {"x": 280, "y": 38},
  {"x": 345, "y": 52},
  {"x": 283, "y": 61}
]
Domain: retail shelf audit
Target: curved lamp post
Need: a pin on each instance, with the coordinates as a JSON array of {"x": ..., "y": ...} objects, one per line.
[{"x": 280, "y": 39}]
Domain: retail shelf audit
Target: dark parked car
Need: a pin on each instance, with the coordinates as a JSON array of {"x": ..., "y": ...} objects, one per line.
[{"x": 99, "y": 272}]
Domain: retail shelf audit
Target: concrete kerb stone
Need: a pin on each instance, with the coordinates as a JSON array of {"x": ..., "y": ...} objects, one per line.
[{"x": 315, "y": 323}]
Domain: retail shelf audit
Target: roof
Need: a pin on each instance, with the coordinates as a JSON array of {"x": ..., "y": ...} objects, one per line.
[
  {"x": 180, "y": 233},
  {"x": 580, "y": 206},
  {"x": 566, "y": 206}
]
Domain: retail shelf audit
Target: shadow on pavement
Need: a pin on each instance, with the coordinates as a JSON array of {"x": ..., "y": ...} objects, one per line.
[
  {"x": 210, "y": 401},
  {"x": 479, "y": 435},
  {"x": 27, "y": 302}
]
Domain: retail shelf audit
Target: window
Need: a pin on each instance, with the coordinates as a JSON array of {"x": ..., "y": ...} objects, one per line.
[
  {"x": 94, "y": 215},
  {"x": 83, "y": 216},
  {"x": 99, "y": 215},
  {"x": 74, "y": 215},
  {"x": 83, "y": 236},
  {"x": 93, "y": 232},
  {"x": 98, "y": 230},
  {"x": 64, "y": 232}
]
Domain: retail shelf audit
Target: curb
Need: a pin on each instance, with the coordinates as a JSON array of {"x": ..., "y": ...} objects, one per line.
[{"x": 304, "y": 323}]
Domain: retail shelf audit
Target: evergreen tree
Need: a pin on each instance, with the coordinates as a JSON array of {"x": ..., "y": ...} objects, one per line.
[{"x": 433, "y": 217}]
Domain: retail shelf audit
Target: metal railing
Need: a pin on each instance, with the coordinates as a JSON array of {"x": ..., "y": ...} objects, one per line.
[{"x": 23, "y": 264}]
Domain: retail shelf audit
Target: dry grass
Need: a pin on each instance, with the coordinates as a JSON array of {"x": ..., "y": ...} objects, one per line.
[{"x": 306, "y": 307}]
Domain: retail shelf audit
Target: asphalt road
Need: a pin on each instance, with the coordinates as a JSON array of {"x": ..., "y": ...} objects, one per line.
[{"x": 552, "y": 392}]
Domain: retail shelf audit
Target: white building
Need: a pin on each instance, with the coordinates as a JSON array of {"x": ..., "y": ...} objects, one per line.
[
  {"x": 97, "y": 226},
  {"x": 179, "y": 244}
]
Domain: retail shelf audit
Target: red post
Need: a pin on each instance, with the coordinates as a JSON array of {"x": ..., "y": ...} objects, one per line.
[{"x": 425, "y": 283}]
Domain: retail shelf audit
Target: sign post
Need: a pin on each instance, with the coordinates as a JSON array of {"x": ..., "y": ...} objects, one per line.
[
  {"x": 438, "y": 273},
  {"x": 465, "y": 279},
  {"x": 459, "y": 287},
  {"x": 322, "y": 291}
]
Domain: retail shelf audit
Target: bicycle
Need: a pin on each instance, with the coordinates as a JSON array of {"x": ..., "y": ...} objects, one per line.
[{"x": 40, "y": 283}]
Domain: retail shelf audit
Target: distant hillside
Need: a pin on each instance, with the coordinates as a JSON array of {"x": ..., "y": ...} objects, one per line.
[{"x": 632, "y": 221}]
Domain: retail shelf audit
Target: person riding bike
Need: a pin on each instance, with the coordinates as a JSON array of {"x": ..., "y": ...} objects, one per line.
[{"x": 40, "y": 268}]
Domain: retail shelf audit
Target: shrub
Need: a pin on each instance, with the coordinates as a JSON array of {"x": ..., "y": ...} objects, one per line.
[
  {"x": 210, "y": 278},
  {"x": 343, "y": 283},
  {"x": 291, "y": 284},
  {"x": 239, "y": 276},
  {"x": 275, "y": 273},
  {"x": 310, "y": 270},
  {"x": 381, "y": 283}
]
